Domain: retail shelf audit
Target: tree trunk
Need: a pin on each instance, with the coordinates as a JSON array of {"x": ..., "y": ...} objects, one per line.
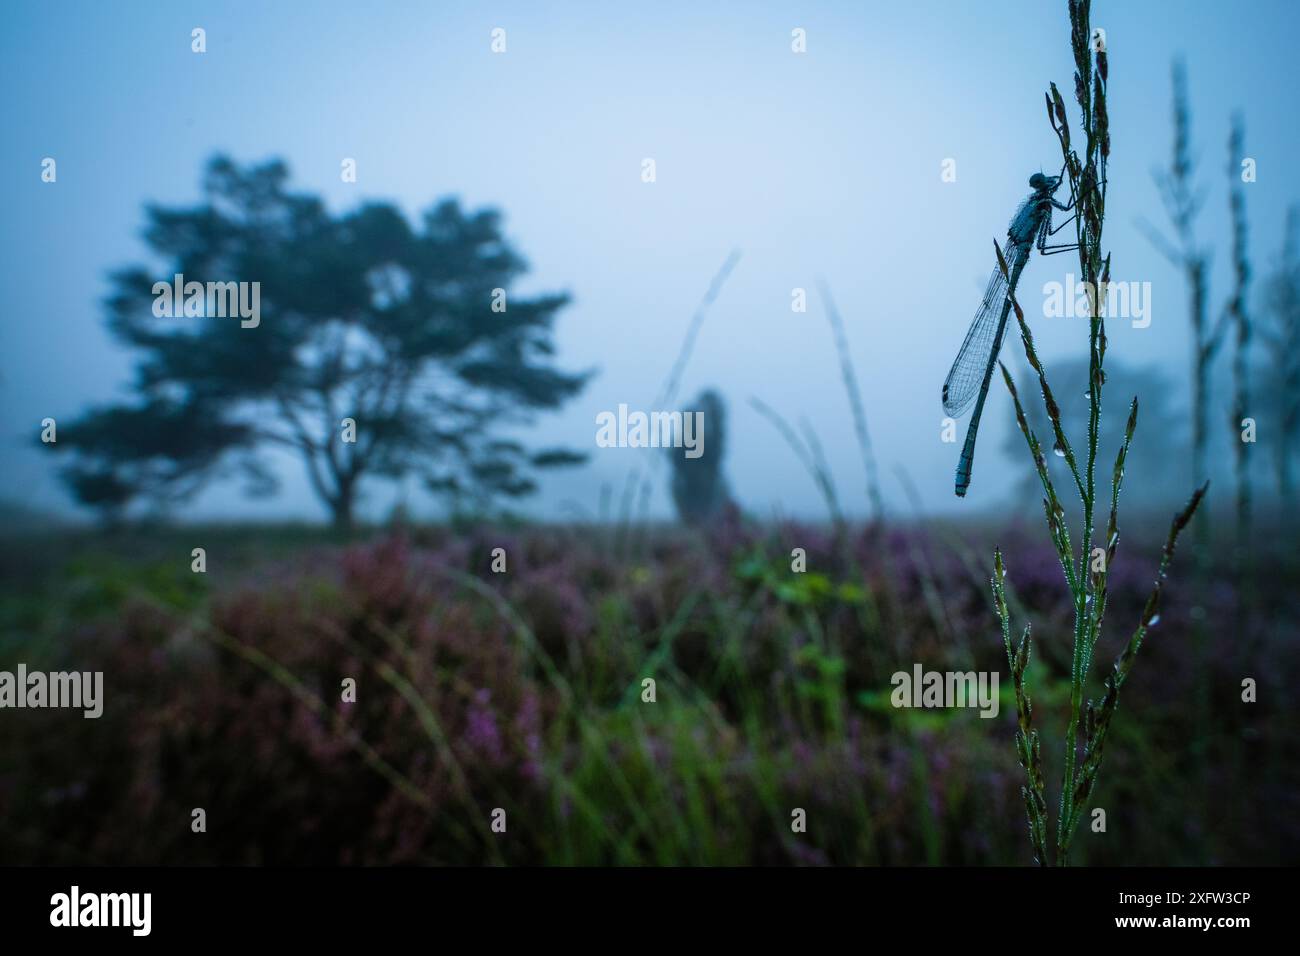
[{"x": 341, "y": 507}]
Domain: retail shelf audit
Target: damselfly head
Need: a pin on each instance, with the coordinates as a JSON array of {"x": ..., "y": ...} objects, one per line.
[{"x": 1042, "y": 183}]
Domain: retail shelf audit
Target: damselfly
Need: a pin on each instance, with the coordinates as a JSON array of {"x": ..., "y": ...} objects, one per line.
[{"x": 972, "y": 370}]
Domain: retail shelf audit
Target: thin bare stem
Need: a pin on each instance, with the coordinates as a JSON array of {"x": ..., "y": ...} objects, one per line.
[{"x": 855, "y": 403}]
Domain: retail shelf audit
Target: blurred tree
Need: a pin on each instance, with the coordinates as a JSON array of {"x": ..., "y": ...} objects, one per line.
[
  {"x": 410, "y": 334},
  {"x": 1160, "y": 426},
  {"x": 1281, "y": 333},
  {"x": 1237, "y": 313},
  {"x": 699, "y": 488}
]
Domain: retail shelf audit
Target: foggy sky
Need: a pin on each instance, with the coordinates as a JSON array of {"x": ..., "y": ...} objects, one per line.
[{"x": 820, "y": 165}]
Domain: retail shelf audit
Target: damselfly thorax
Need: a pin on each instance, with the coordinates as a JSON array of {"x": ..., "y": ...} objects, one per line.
[{"x": 1035, "y": 213}]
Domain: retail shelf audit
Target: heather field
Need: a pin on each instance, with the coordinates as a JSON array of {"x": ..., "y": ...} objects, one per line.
[{"x": 523, "y": 691}]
